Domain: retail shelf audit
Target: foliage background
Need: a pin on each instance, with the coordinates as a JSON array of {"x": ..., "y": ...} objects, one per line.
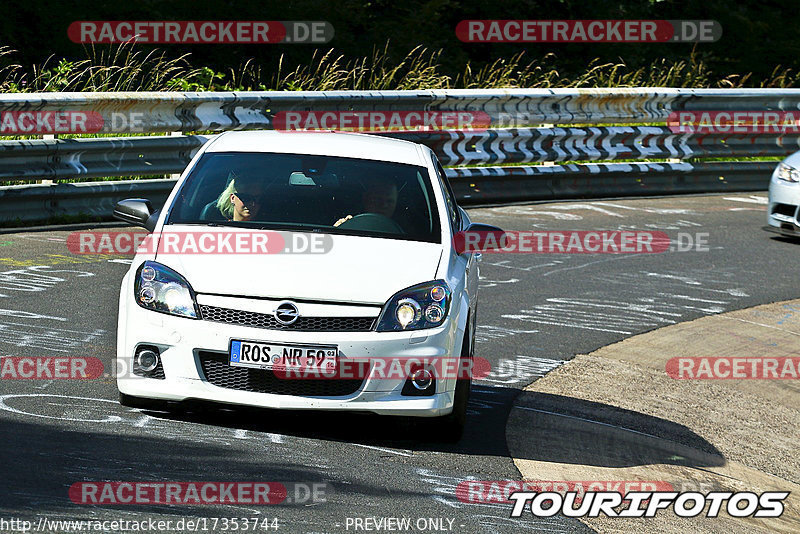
[{"x": 760, "y": 45}]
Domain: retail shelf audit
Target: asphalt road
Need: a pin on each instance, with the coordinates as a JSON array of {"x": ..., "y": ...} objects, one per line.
[{"x": 536, "y": 311}]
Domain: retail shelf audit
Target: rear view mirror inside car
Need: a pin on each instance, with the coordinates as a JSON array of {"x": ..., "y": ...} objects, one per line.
[{"x": 298, "y": 178}]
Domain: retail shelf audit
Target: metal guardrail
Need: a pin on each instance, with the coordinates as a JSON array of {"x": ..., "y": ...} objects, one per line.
[
  {"x": 219, "y": 111},
  {"x": 541, "y": 145},
  {"x": 39, "y": 202},
  {"x": 472, "y": 185},
  {"x": 88, "y": 158},
  {"x": 514, "y": 147},
  {"x": 482, "y": 185}
]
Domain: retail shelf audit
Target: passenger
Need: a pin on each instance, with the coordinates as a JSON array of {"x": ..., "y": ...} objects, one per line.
[
  {"x": 241, "y": 200},
  {"x": 380, "y": 197}
]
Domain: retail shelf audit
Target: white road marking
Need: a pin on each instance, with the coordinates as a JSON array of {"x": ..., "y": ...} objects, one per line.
[
  {"x": 590, "y": 207},
  {"x": 29, "y": 315},
  {"x": 143, "y": 421},
  {"x": 489, "y": 332},
  {"x": 753, "y": 199},
  {"x": 562, "y": 323},
  {"x": 62, "y": 417},
  {"x": 275, "y": 438},
  {"x": 521, "y": 368},
  {"x": 505, "y": 265},
  {"x": 35, "y": 278},
  {"x": 486, "y": 282},
  {"x": 687, "y": 297},
  {"x": 662, "y": 211},
  {"x": 391, "y": 451},
  {"x": 47, "y": 338},
  {"x": 614, "y": 257}
]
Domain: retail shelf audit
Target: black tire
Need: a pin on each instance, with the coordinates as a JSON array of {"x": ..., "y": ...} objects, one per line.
[{"x": 450, "y": 428}]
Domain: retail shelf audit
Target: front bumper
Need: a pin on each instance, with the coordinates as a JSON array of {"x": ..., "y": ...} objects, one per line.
[
  {"x": 181, "y": 340},
  {"x": 782, "y": 207}
]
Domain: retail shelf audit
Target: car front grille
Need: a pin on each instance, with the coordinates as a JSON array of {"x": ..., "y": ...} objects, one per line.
[
  {"x": 217, "y": 371},
  {"x": 265, "y": 320}
]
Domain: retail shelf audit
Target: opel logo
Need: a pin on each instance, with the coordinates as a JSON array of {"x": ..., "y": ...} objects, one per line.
[{"x": 286, "y": 313}]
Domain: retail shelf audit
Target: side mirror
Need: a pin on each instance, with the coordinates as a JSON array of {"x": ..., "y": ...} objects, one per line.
[
  {"x": 136, "y": 211},
  {"x": 479, "y": 237}
]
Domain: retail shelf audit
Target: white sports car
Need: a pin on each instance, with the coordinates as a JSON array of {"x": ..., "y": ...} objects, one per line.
[
  {"x": 241, "y": 327},
  {"x": 784, "y": 197}
]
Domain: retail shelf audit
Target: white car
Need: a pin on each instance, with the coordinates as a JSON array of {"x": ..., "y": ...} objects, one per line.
[
  {"x": 784, "y": 197},
  {"x": 389, "y": 285}
]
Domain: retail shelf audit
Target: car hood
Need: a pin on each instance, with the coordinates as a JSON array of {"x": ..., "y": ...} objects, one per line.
[{"x": 355, "y": 269}]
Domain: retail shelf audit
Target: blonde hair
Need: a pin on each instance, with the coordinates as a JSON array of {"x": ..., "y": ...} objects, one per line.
[{"x": 224, "y": 204}]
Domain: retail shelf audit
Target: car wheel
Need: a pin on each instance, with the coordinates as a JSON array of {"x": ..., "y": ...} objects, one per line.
[{"x": 450, "y": 427}]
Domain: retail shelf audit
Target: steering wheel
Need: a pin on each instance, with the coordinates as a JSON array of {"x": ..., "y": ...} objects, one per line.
[{"x": 372, "y": 222}]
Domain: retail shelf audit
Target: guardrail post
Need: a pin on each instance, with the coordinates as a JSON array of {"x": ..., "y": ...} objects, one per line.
[
  {"x": 175, "y": 134},
  {"x": 47, "y": 182}
]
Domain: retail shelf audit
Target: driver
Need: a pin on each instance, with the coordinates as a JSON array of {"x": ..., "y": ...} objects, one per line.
[
  {"x": 241, "y": 200},
  {"x": 379, "y": 197}
]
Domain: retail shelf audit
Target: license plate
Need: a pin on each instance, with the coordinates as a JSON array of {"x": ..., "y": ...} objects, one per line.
[{"x": 258, "y": 355}]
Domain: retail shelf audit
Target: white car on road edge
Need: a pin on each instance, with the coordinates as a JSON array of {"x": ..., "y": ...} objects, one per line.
[
  {"x": 784, "y": 198},
  {"x": 389, "y": 284}
]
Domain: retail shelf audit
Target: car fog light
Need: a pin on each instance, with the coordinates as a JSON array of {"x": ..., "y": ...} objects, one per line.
[
  {"x": 147, "y": 360},
  {"x": 422, "y": 379}
]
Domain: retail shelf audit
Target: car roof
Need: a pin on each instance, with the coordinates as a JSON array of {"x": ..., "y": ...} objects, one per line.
[{"x": 324, "y": 143}]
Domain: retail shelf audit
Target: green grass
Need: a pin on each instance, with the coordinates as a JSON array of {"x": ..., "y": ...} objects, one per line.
[{"x": 126, "y": 68}]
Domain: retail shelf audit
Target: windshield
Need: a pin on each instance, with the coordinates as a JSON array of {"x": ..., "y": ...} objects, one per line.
[{"x": 309, "y": 193}]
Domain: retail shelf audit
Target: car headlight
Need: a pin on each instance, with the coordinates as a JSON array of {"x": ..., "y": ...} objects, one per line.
[
  {"x": 788, "y": 173},
  {"x": 417, "y": 307},
  {"x": 159, "y": 288}
]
